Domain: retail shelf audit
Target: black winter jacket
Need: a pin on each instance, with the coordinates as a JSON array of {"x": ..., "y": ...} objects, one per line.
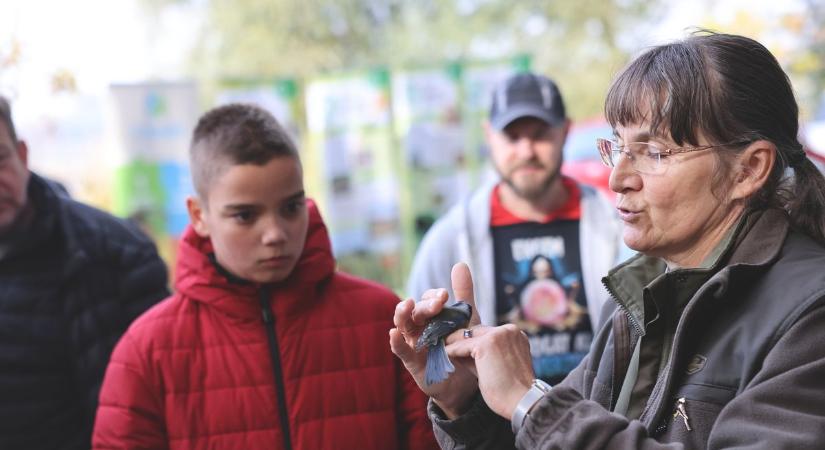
[{"x": 68, "y": 289}]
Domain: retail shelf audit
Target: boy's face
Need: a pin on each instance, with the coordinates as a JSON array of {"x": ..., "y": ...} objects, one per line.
[{"x": 256, "y": 218}]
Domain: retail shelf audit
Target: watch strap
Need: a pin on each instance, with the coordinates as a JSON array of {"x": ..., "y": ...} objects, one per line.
[{"x": 527, "y": 402}]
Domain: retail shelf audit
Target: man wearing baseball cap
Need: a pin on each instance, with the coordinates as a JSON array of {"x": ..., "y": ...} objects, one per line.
[{"x": 537, "y": 242}]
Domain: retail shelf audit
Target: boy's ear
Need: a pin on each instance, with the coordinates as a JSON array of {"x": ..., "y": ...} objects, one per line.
[{"x": 196, "y": 216}]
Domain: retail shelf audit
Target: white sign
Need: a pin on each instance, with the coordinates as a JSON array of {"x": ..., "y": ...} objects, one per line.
[{"x": 155, "y": 120}]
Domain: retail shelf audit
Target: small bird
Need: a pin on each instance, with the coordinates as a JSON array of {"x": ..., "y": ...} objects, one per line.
[{"x": 451, "y": 318}]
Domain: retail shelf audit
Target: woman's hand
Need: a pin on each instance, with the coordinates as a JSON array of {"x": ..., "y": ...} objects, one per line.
[
  {"x": 503, "y": 364},
  {"x": 454, "y": 395}
]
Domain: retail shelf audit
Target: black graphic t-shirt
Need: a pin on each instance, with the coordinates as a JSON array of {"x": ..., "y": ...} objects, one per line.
[{"x": 539, "y": 288}]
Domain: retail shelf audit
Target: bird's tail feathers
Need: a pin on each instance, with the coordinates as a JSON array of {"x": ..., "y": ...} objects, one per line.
[{"x": 439, "y": 366}]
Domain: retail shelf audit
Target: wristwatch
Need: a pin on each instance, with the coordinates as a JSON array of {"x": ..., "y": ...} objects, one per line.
[{"x": 531, "y": 397}]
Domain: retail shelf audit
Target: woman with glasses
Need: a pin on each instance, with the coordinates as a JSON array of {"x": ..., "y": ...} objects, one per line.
[{"x": 717, "y": 334}]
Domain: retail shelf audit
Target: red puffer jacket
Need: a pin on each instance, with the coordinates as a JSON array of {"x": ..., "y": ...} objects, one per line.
[{"x": 303, "y": 364}]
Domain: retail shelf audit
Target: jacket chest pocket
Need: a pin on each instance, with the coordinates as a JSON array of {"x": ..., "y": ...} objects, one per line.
[{"x": 692, "y": 413}]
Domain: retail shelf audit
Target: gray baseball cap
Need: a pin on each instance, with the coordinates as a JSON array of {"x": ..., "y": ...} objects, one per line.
[{"x": 526, "y": 95}]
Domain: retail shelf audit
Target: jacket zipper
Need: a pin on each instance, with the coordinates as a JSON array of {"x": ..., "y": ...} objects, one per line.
[
  {"x": 624, "y": 353},
  {"x": 621, "y": 305},
  {"x": 657, "y": 405},
  {"x": 275, "y": 354},
  {"x": 681, "y": 411}
]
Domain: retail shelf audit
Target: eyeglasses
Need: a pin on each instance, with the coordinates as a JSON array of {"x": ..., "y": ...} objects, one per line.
[{"x": 645, "y": 157}]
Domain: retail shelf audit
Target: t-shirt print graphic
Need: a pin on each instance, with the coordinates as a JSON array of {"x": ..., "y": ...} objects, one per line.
[
  {"x": 539, "y": 289},
  {"x": 544, "y": 302}
]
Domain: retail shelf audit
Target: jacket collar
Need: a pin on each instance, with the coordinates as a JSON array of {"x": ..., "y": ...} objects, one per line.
[
  {"x": 761, "y": 238},
  {"x": 50, "y": 227},
  {"x": 200, "y": 279},
  {"x": 755, "y": 245}
]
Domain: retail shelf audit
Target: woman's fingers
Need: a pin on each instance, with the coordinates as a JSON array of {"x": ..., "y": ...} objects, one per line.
[
  {"x": 466, "y": 364},
  {"x": 506, "y": 339},
  {"x": 431, "y": 303},
  {"x": 462, "y": 283},
  {"x": 460, "y": 335},
  {"x": 411, "y": 317},
  {"x": 403, "y": 316},
  {"x": 400, "y": 347},
  {"x": 502, "y": 360}
]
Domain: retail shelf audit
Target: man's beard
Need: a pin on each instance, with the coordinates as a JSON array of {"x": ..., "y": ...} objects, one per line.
[{"x": 536, "y": 191}]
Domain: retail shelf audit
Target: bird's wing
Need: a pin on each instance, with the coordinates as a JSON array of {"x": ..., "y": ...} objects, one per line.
[{"x": 434, "y": 331}]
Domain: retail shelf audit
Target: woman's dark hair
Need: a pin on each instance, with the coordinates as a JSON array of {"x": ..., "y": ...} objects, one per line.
[{"x": 732, "y": 90}]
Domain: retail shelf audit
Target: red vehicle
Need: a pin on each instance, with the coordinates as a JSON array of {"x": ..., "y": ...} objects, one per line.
[
  {"x": 817, "y": 158},
  {"x": 813, "y": 137},
  {"x": 581, "y": 158},
  {"x": 582, "y": 161}
]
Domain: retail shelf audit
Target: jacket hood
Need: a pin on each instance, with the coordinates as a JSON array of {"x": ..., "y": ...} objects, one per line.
[{"x": 197, "y": 277}]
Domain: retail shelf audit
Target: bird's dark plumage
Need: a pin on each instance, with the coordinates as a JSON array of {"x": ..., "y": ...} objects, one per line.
[{"x": 451, "y": 318}]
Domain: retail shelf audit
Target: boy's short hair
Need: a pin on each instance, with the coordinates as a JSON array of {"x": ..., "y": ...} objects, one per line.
[{"x": 233, "y": 134}]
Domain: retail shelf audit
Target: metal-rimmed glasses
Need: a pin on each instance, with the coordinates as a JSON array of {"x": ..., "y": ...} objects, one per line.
[{"x": 645, "y": 157}]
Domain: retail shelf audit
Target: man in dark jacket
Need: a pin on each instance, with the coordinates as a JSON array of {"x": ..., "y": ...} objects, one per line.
[{"x": 72, "y": 278}]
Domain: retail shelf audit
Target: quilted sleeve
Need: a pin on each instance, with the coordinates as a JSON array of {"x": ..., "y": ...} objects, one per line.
[
  {"x": 415, "y": 429},
  {"x": 130, "y": 411},
  {"x": 122, "y": 277}
]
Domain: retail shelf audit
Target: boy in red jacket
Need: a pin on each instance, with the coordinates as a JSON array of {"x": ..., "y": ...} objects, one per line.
[{"x": 264, "y": 344}]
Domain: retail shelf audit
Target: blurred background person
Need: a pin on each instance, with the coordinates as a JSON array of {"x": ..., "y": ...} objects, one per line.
[
  {"x": 72, "y": 278},
  {"x": 538, "y": 241},
  {"x": 716, "y": 338}
]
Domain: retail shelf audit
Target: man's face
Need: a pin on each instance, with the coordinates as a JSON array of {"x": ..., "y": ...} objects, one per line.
[
  {"x": 256, "y": 219},
  {"x": 14, "y": 179},
  {"x": 528, "y": 155}
]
